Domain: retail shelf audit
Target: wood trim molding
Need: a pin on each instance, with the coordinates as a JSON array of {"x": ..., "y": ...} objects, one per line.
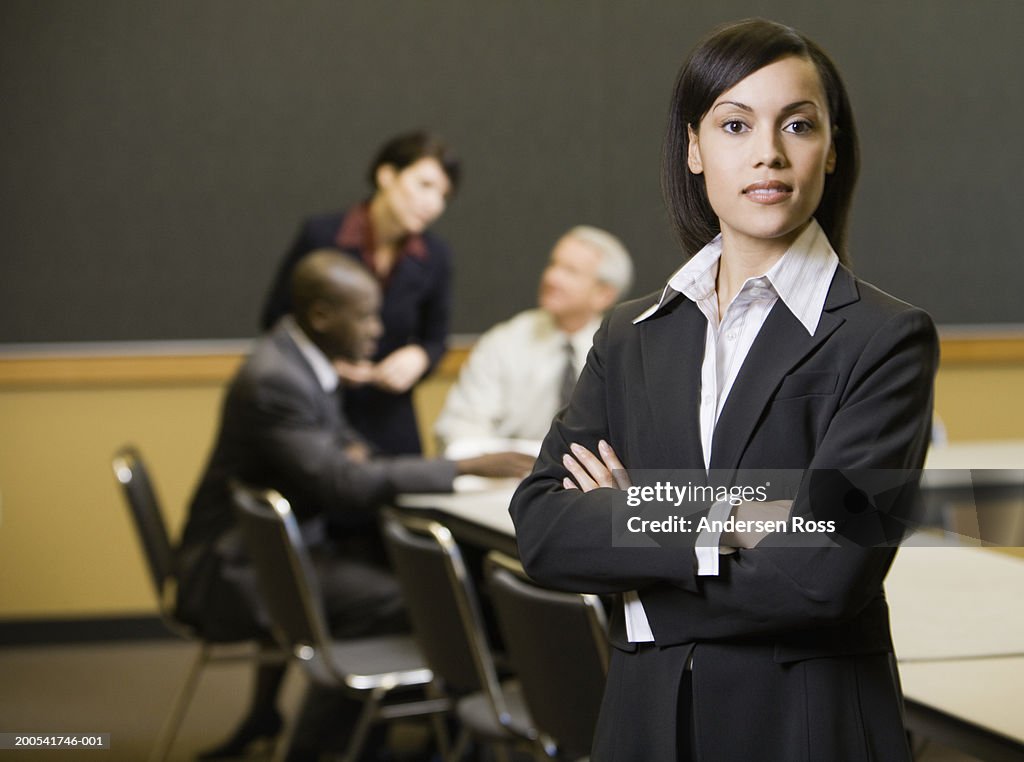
[
  {"x": 23, "y": 372},
  {"x": 93, "y": 371},
  {"x": 88, "y": 370},
  {"x": 991, "y": 349}
]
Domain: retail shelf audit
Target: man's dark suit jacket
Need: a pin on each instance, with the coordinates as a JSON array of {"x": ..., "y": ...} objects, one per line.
[
  {"x": 414, "y": 309},
  {"x": 791, "y": 647},
  {"x": 280, "y": 429}
]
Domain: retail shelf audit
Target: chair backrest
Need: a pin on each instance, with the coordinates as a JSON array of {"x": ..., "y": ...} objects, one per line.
[
  {"x": 557, "y": 642},
  {"x": 147, "y": 516},
  {"x": 284, "y": 570},
  {"x": 443, "y": 607}
]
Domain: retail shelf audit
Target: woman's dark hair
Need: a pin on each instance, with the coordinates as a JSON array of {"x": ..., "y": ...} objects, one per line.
[
  {"x": 727, "y": 55},
  {"x": 406, "y": 149}
]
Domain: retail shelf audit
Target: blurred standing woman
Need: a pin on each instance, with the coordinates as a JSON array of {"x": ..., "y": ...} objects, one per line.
[
  {"x": 763, "y": 352},
  {"x": 413, "y": 176}
]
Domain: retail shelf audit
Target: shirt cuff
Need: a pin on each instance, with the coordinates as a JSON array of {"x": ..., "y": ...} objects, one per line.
[
  {"x": 638, "y": 628},
  {"x": 706, "y": 548}
]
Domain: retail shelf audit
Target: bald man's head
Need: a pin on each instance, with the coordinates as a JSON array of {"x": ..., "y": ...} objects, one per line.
[{"x": 336, "y": 302}]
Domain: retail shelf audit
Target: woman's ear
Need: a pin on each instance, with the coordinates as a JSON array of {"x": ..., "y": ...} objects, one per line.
[
  {"x": 830, "y": 160},
  {"x": 693, "y": 151},
  {"x": 385, "y": 175}
]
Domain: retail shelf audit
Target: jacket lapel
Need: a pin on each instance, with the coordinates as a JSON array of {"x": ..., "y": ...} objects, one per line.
[
  {"x": 328, "y": 402},
  {"x": 782, "y": 343},
  {"x": 672, "y": 344}
]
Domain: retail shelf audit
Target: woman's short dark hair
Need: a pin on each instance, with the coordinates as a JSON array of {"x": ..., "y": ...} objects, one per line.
[
  {"x": 727, "y": 55},
  {"x": 408, "y": 148}
]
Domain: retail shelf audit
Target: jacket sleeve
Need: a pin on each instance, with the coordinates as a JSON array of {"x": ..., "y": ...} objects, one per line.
[
  {"x": 308, "y": 459},
  {"x": 435, "y": 311},
  {"x": 565, "y": 536}
]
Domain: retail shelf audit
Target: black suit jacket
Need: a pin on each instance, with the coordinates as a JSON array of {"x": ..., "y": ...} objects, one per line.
[
  {"x": 790, "y": 644},
  {"x": 280, "y": 429}
]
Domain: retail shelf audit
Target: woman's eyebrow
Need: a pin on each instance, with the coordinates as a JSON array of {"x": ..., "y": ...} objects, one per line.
[
  {"x": 737, "y": 104},
  {"x": 795, "y": 106}
]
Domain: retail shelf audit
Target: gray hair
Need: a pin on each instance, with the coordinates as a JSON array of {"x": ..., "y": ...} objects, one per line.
[{"x": 616, "y": 268}]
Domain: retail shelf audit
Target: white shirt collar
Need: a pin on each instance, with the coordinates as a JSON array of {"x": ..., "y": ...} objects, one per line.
[
  {"x": 322, "y": 367},
  {"x": 801, "y": 277},
  {"x": 581, "y": 340}
]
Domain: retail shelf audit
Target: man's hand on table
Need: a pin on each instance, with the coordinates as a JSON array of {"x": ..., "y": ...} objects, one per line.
[{"x": 497, "y": 465}]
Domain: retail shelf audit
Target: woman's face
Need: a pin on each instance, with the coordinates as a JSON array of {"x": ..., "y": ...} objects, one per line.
[
  {"x": 764, "y": 148},
  {"x": 415, "y": 196}
]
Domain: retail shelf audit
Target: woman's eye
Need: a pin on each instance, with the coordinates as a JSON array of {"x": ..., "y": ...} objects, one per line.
[
  {"x": 734, "y": 126},
  {"x": 799, "y": 127}
]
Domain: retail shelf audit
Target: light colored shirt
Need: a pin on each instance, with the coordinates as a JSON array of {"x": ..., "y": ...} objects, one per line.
[
  {"x": 322, "y": 367},
  {"x": 801, "y": 279},
  {"x": 510, "y": 386}
]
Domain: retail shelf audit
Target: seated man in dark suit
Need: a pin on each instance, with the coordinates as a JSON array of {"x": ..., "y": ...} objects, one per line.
[{"x": 282, "y": 428}]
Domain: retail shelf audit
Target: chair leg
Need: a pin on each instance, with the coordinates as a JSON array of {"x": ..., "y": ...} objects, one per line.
[
  {"x": 437, "y": 722},
  {"x": 284, "y": 741},
  {"x": 362, "y": 728},
  {"x": 461, "y": 742},
  {"x": 169, "y": 730},
  {"x": 544, "y": 749}
]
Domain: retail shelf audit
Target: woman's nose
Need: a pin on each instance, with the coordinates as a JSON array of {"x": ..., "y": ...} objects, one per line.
[{"x": 769, "y": 151}]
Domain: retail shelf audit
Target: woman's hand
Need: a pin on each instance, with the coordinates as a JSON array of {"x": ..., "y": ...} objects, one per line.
[
  {"x": 397, "y": 372},
  {"x": 354, "y": 373},
  {"x": 591, "y": 472}
]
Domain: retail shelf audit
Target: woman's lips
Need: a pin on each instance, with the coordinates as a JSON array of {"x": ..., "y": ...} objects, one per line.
[{"x": 768, "y": 192}]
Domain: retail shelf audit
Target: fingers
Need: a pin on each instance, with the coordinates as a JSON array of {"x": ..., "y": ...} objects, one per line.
[
  {"x": 354, "y": 374},
  {"x": 594, "y": 465},
  {"x": 395, "y": 376},
  {"x": 579, "y": 473},
  {"x": 402, "y": 368},
  {"x": 591, "y": 472},
  {"x": 614, "y": 465},
  {"x": 583, "y": 464}
]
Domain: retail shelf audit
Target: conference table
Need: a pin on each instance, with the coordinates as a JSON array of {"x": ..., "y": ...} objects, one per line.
[
  {"x": 956, "y": 609},
  {"x": 976, "y": 490},
  {"x": 958, "y": 626}
]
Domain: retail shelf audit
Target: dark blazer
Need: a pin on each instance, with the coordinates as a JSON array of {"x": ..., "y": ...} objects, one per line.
[
  {"x": 280, "y": 429},
  {"x": 415, "y": 310},
  {"x": 790, "y": 645}
]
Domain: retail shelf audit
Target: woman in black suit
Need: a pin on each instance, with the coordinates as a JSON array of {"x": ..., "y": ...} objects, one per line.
[{"x": 766, "y": 384}]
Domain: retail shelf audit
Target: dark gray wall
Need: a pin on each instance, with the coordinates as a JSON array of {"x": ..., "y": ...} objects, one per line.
[{"x": 157, "y": 157}]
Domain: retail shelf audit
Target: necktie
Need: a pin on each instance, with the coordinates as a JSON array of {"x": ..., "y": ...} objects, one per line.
[{"x": 568, "y": 376}]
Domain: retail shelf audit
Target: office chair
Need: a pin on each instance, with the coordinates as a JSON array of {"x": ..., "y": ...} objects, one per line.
[
  {"x": 375, "y": 669},
  {"x": 147, "y": 517},
  {"x": 557, "y": 643},
  {"x": 442, "y": 603}
]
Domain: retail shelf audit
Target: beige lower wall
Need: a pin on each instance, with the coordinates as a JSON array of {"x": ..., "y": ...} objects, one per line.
[
  {"x": 979, "y": 402},
  {"x": 66, "y": 545}
]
